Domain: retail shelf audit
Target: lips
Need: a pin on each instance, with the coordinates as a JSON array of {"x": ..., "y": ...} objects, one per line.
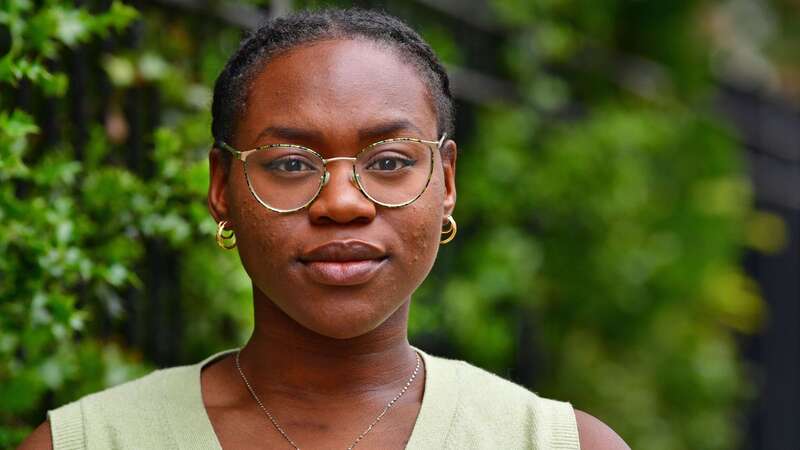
[{"x": 343, "y": 263}]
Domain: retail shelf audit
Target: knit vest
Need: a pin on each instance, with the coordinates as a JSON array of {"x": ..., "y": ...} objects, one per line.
[{"x": 463, "y": 407}]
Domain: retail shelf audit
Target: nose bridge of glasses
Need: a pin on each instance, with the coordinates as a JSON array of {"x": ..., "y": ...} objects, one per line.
[{"x": 327, "y": 175}]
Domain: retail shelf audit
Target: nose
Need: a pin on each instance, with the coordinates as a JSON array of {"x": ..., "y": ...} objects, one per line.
[
  {"x": 327, "y": 177},
  {"x": 341, "y": 201}
]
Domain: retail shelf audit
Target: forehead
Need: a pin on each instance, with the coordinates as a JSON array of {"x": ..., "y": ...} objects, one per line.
[{"x": 336, "y": 88}]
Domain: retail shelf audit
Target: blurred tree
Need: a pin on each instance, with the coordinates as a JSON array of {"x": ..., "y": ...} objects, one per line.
[
  {"x": 90, "y": 221},
  {"x": 48, "y": 244}
]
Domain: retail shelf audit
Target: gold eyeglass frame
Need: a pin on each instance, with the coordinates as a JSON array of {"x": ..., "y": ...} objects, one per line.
[{"x": 325, "y": 177}]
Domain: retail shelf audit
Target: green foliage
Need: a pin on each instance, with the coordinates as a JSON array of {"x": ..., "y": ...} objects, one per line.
[
  {"x": 76, "y": 232},
  {"x": 38, "y": 34},
  {"x": 47, "y": 247}
]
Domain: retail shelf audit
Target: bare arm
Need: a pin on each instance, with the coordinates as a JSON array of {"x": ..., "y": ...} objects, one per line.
[
  {"x": 596, "y": 435},
  {"x": 40, "y": 439}
]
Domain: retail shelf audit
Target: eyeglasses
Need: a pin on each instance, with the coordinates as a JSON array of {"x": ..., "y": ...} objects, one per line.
[{"x": 288, "y": 177}]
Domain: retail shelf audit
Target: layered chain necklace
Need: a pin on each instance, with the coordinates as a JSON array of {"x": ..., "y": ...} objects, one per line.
[{"x": 360, "y": 436}]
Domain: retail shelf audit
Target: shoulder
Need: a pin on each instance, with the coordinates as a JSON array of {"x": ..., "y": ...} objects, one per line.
[
  {"x": 492, "y": 412},
  {"x": 483, "y": 393},
  {"x": 492, "y": 393},
  {"x": 483, "y": 389},
  {"x": 115, "y": 416},
  {"x": 140, "y": 396},
  {"x": 596, "y": 435},
  {"x": 38, "y": 440},
  {"x": 485, "y": 382},
  {"x": 147, "y": 388},
  {"x": 118, "y": 403}
]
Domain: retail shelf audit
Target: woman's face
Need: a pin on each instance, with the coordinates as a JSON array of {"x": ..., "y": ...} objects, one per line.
[{"x": 343, "y": 265}]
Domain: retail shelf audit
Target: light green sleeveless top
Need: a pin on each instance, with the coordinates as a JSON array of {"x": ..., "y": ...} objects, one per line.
[{"x": 463, "y": 407}]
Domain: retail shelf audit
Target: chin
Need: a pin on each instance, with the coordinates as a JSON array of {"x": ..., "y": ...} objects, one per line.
[
  {"x": 344, "y": 312},
  {"x": 344, "y": 321},
  {"x": 340, "y": 318},
  {"x": 336, "y": 332}
]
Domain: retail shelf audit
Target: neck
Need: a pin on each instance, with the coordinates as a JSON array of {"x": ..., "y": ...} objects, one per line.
[{"x": 283, "y": 356}]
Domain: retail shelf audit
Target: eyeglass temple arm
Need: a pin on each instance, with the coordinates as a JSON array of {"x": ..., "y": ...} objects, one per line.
[
  {"x": 223, "y": 145},
  {"x": 441, "y": 140}
]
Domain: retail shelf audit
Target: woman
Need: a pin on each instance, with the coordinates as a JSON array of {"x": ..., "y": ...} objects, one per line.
[{"x": 334, "y": 176}]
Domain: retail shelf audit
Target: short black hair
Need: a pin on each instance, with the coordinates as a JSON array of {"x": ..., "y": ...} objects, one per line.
[{"x": 284, "y": 33}]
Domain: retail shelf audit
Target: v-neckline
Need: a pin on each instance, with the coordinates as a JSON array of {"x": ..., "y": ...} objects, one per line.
[{"x": 436, "y": 411}]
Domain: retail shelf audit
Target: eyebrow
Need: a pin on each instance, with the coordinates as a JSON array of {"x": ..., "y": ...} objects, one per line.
[
  {"x": 374, "y": 132},
  {"x": 291, "y": 133},
  {"x": 387, "y": 128}
]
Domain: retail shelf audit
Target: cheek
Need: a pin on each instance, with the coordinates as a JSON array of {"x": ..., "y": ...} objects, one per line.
[
  {"x": 263, "y": 237},
  {"x": 422, "y": 230}
]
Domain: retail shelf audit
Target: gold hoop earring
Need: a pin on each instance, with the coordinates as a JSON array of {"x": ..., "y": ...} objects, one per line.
[
  {"x": 451, "y": 232},
  {"x": 225, "y": 235}
]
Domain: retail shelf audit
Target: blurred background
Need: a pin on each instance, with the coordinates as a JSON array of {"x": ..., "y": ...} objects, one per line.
[{"x": 629, "y": 205}]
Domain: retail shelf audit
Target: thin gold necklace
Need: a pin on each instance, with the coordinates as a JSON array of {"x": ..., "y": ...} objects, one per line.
[{"x": 360, "y": 436}]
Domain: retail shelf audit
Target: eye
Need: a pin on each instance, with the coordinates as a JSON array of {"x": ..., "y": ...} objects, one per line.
[
  {"x": 289, "y": 164},
  {"x": 390, "y": 163}
]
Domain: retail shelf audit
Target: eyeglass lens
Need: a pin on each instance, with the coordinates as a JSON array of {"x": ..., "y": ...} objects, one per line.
[{"x": 391, "y": 173}]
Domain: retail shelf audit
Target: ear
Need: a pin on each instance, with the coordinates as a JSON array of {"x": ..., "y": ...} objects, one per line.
[
  {"x": 218, "y": 185},
  {"x": 449, "y": 154}
]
